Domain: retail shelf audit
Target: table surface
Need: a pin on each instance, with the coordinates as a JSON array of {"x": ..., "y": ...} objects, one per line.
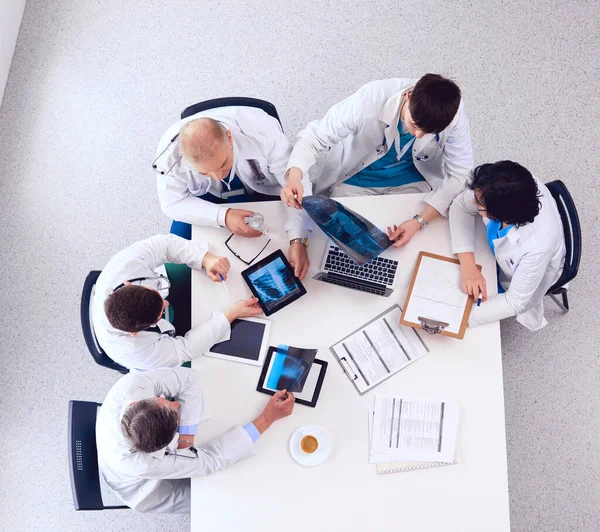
[{"x": 270, "y": 491}]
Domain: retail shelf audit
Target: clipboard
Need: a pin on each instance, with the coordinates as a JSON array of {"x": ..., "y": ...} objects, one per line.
[
  {"x": 430, "y": 324},
  {"x": 415, "y": 344}
]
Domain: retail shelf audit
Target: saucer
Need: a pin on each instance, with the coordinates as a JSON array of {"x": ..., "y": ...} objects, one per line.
[{"x": 320, "y": 455}]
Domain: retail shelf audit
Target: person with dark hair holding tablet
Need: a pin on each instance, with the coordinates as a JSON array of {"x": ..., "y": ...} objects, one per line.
[
  {"x": 392, "y": 136},
  {"x": 525, "y": 233},
  {"x": 131, "y": 315},
  {"x": 146, "y": 437}
]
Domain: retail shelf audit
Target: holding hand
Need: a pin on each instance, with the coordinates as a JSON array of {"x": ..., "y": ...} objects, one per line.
[
  {"x": 403, "y": 233},
  {"x": 292, "y": 193},
  {"x": 215, "y": 265},
  {"x": 280, "y": 405},
  {"x": 298, "y": 257},
  {"x": 243, "y": 309},
  {"x": 472, "y": 281},
  {"x": 234, "y": 220}
]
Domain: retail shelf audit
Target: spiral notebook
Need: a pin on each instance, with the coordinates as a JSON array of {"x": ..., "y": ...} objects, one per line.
[{"x": 408, "y": 434}]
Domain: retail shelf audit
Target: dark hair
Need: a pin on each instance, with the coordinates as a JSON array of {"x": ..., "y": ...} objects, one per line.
[
  {"x": 149, "y": 426},
  {"x": 434, "y": 103},
  {"x": 507, "y": 191},
  {"x": 133, "y": 308}
]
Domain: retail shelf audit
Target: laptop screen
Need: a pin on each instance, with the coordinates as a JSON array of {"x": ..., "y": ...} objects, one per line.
[{"x": 355, "y": 235}]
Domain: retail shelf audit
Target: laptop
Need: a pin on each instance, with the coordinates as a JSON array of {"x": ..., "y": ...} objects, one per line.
[
  {"x": 375, "y": 277},
  {"x": 352, "y": 258}
]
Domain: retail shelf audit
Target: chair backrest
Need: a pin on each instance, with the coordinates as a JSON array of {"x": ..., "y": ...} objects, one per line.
[
  {"x": 88, "y": 330},
  {"x": 83, "y": 456},
  {"x": 241, "y": 101},
  {"x": 572, "y": 229}
]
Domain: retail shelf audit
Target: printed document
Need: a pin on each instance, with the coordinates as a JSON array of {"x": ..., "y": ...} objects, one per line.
[
  {"x": 414, "y": 430},
  {"x": 379, "y": 349},
  {"x": 437, "y": 295}
]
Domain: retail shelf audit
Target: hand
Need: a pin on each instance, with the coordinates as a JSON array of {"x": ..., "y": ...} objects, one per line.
[
  {"x": 472, "y": 281},
  {"x": 185, "y": 441},
  {"x": 403, "y": 233},
  {"x": 280, "y": 405},
  {"x": 292, "y": 193},
  {"x": 215, "y": 266},
  {"x": 234, "y": 220},
  {"x": 243, "y": 309},
  {"x": 298, "y": 257}
]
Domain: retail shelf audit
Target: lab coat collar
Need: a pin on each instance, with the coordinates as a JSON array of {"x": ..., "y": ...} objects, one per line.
[{"x": 245, "y": 147}]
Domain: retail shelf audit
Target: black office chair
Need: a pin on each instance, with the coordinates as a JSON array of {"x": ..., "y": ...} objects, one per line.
[
  {"x": 88, "y": 329},
  {"x": 83, "y": 457},
  {"x": 572, "y": 229},
  {"x": 241, "y": 101}
]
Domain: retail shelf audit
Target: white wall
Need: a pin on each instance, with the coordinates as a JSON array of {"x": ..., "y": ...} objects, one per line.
[{"x": 11, "y": 13}]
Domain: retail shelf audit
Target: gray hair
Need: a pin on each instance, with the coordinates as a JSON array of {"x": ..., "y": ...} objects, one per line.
[
  {"x": 149, "y": 426},
  {"x": 199, "y": 139}
]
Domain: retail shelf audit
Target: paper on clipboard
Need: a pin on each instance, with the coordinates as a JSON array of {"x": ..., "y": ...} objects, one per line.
[
  {"x": 378, "y": 350},
  {"x": 436, "y": 294}
]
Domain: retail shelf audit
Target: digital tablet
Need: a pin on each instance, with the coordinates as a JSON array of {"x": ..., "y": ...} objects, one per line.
[
  {"x": 248, "y": 342},
  {"x": 272, "y": 281},
  {"x": 273, "y": 378}
]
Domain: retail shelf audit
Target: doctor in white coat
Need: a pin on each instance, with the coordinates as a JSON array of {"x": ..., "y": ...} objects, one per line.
[
  {"x": 129, "y": 303},
  {"x": 145, "y": 434},
  {"x": 391, "y": 136},
  {"x": 525, "y": 233},
  {"x": 211, "y": 161}
]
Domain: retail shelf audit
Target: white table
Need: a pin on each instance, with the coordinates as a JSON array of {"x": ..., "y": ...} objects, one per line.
[{"x": 270, "y": 491}]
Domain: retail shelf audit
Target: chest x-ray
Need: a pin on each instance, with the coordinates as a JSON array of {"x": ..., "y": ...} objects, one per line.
[{"x": 355, "y": 235}]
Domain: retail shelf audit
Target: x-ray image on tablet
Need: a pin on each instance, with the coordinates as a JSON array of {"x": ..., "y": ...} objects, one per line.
[
  {"x": 273, "y": 282},
  {"x": 287, "y": 368}
]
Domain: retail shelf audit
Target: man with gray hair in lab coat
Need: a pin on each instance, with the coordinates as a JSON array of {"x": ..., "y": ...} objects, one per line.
[{"x": 145, "y": 434}]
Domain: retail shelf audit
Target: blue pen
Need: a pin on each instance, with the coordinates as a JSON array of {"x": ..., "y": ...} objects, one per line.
[
  {"x": 225, "y": 286},
  {"x": 479, "y": 298}
]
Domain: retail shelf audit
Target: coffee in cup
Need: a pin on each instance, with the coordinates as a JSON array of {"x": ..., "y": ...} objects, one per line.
[{"x": 309, "y": 444}]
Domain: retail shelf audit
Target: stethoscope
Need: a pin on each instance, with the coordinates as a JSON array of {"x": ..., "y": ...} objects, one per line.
[
  {"x": 193, "y": 449},
  {"x": 161, "y": 284},
  {"x": 154, "y": 166}
]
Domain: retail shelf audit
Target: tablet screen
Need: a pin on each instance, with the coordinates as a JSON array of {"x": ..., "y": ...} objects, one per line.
[
  {"x": 245, "y": 342},
  {"x": 272, "y": 281}
]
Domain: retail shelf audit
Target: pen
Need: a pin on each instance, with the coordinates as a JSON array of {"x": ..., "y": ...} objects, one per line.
[
  {"x": 225, "y": 286},
  {"x": 479, "y": 298}
]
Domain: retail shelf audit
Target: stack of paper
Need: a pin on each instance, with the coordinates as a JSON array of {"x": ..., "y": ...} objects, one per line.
[{"x": 407, "y": 434}]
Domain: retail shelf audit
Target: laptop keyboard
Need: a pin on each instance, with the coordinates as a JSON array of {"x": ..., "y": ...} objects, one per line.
[{"x": 379, "y": 270}]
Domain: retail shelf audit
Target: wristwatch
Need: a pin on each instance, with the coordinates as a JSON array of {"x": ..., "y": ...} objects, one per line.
[
  {"x": 303, "y": 241},
  {"x": 421, "y": 221}
]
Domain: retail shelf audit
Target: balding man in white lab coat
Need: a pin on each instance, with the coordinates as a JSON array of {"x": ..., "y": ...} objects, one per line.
[
  {"x": 145, "y": 434},
  {"x": 210, "y": 163}
]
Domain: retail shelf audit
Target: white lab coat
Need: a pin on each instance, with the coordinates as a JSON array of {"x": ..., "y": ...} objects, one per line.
[
  {"x": 256, "y": 137},
  {"x": 531, "y": 260},
  {"x": 152, "y": 482},
  {"x": 147, "y": 349},
  {"x": 355, "y": 127}
]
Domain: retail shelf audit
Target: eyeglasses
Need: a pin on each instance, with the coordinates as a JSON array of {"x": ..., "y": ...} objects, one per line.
[
  {"x": 160, "y": 283},
  {"x": 235, "y": 254}
]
